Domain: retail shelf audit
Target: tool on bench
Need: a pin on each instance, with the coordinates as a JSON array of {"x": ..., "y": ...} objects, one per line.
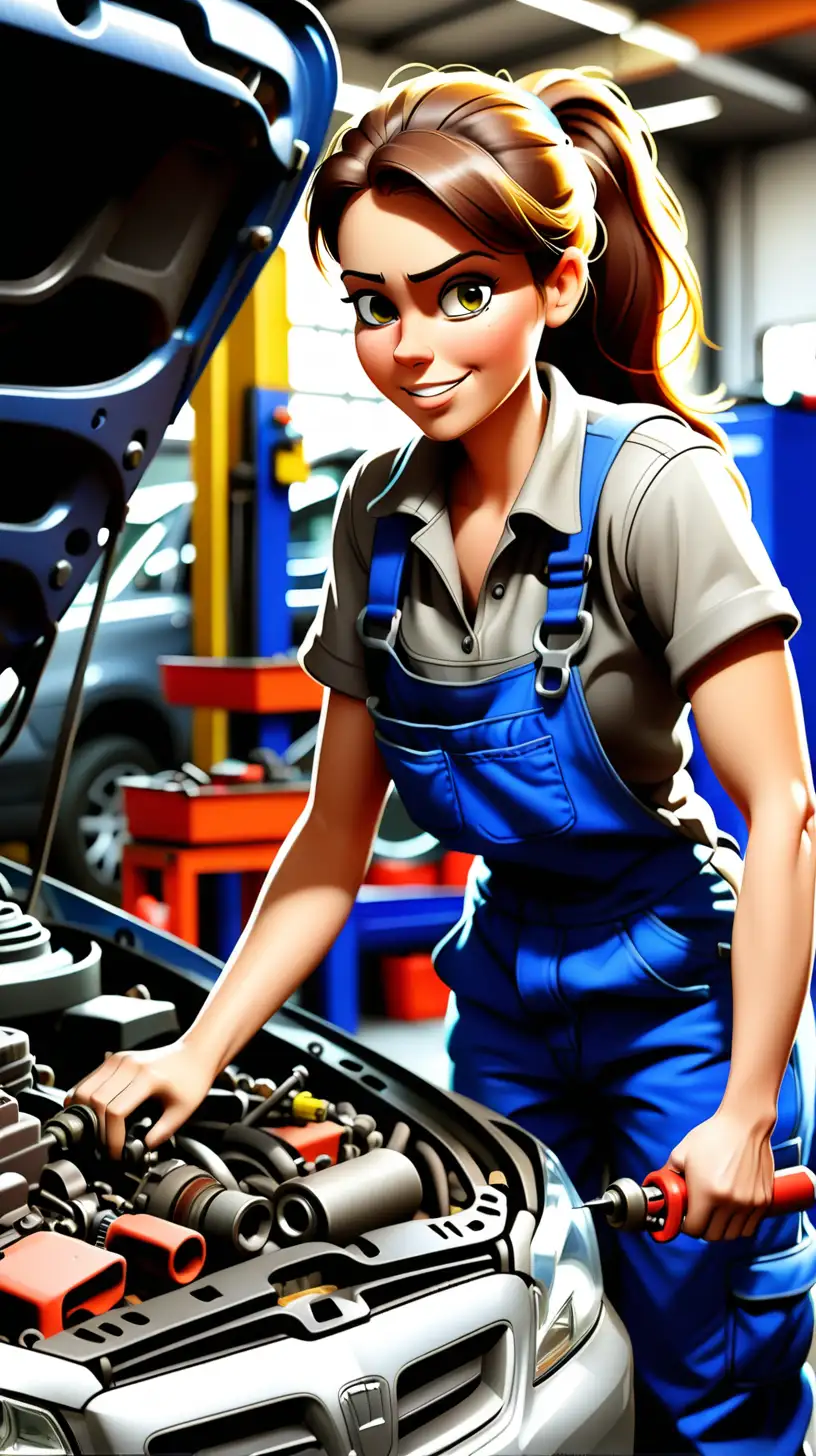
[{"x": 659, "y": 1203}]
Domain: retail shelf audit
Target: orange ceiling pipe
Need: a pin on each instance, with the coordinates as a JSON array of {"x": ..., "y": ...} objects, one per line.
[{"x": 732, "y": 25}]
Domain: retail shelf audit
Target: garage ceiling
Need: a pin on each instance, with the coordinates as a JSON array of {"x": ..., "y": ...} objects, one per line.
[{"x": 757, "y": 58}]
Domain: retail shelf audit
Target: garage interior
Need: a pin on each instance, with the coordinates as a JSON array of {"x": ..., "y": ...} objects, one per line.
[{"x": 223, "y": 557}]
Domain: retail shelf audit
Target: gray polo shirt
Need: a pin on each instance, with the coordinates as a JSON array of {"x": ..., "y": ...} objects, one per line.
[{"x": 678, "y": 571}]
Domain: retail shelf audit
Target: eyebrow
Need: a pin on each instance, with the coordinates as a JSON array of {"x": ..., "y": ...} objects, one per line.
[
  {"x": 419, "y": 277},
  {"x": 369, "y": 277},
  {"x": 443, "y": 267}
]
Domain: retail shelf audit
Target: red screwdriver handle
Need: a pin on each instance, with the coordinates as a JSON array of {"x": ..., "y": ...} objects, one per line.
[
  {"x": 675, "y": 1203},
  {"x": 794, "y": 1191}
]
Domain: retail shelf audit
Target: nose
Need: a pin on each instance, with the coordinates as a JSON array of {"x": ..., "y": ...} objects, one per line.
[{"x": 413, "y": 347}]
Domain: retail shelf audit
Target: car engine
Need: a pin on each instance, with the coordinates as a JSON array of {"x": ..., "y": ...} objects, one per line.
[{"x": 272, "y": 1190}]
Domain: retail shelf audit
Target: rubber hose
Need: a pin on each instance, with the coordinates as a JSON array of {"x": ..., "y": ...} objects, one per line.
[
  {"x": 399, "y": 1138},
  {"x": 204, "y": 1157},
  {"x": 260, "y": 1184},
  {"x": 439, "y": 1177},
  {"x": 263, "y": 1149}
]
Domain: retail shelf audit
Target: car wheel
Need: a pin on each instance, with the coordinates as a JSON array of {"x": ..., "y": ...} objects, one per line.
[{"x": 91, "y": 827}]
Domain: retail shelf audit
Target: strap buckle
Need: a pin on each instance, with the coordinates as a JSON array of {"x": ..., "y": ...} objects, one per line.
[
  {"x": 567, "y": 573},
  {"x": 377, "y": 643},
  {"x": 559, "y": 659}
]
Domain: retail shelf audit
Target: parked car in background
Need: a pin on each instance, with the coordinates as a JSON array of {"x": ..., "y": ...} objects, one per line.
[{"x": 126, "y": 726}]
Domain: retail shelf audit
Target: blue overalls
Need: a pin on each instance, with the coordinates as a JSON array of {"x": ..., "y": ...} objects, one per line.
[{"x": 593, "y": 991}]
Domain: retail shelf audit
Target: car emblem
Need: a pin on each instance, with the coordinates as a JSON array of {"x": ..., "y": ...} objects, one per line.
[{"x": 367, "y": 1409}]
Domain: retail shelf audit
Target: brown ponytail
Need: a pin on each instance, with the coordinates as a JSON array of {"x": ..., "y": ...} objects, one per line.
[
  {"x": 523, "y": 182},
  {"x": 636, "y": 336}
]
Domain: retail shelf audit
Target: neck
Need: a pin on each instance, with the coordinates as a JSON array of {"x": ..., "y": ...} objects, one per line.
[{"x": 501, "y": 448}]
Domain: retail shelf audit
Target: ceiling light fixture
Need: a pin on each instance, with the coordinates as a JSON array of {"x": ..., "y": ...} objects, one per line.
[
  {"x": 681, "y": 113},
  {"x": 750, "y": 81},
  {"x": 608, "y": 19},
  {"x": 666, "y": 42}
]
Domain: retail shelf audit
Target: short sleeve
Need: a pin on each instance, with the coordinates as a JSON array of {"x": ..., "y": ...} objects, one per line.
[
  {"x": 698, "y": 564},
  {"x": 331, "y": 652}
]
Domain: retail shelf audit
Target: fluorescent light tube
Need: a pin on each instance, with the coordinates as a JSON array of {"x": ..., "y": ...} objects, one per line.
[
  {"x": 681, "y": 113},
  {"x": 666, "y": 42},
  {"x": 608, "y": 19},
  {"x": 750, "y": 81}
]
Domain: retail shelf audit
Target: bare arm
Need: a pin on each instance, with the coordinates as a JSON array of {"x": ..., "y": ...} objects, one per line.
[
  {"x": 310, "y": 889},
  {"x": 304, "y": 904},
  {"x": 748, "y": 712}
]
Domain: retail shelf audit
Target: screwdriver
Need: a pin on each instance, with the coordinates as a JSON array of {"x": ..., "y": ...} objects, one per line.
[{"x": 659, "y": 1203}]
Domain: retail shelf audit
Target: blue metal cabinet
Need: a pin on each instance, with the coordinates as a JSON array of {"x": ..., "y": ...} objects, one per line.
[{"x": 776, "y": 451}]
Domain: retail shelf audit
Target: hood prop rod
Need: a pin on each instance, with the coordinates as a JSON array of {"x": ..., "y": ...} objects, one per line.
[{"x": 69, "y": 725}]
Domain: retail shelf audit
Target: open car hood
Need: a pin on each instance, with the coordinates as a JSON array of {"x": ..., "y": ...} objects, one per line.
[{"x": 160, "y": 147}]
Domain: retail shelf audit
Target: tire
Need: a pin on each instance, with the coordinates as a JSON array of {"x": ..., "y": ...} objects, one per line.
[{"x": 85, "y": 854}]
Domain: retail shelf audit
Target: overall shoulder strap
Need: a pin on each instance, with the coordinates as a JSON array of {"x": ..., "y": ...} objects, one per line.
[
  {"x": 569, "y": 561},
  {"x": 378, "y": 621}
]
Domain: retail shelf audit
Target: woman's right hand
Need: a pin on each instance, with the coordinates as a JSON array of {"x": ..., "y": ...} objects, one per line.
[{"x": 175, "y": 1076}]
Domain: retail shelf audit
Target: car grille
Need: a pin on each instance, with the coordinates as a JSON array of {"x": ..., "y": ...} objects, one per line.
[
  {"x": 453, "y": 1392},
  {"x": 277, "y": 1428}
]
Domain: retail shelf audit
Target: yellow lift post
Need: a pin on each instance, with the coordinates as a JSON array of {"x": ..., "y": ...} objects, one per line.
[{"x": 252, "y": 354}]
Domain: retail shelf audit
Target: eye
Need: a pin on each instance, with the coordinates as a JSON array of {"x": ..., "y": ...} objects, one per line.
[
  {"x": 374, "y": 309},
  {"x": 465, "y": 297}
]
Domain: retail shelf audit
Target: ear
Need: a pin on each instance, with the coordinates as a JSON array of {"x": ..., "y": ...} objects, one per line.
[{"x": 564, "y": 287}]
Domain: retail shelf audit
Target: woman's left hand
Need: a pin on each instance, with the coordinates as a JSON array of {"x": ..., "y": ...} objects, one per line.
[{"x": 728, "y": 1169}]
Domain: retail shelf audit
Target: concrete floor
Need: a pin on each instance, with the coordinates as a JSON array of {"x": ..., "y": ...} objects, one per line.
[{"x": 419, "y": 1045}]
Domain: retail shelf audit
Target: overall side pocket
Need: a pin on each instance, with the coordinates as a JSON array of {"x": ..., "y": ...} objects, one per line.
[{"x": 424, "y": 782}]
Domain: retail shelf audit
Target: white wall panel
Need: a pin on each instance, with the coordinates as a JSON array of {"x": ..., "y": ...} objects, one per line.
[{"x": 784, "y": 234}]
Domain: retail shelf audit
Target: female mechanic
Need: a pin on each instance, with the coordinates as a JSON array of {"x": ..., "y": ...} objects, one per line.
[{"x": 521, "y": 605}]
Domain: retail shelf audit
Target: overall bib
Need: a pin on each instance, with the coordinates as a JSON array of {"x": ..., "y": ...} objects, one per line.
[{"x": 592, "y": 991}]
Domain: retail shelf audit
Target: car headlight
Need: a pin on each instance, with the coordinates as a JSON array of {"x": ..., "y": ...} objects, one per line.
[
  {"x": 566, "y": 1266},
  {"x": 27, "y": 1431}
]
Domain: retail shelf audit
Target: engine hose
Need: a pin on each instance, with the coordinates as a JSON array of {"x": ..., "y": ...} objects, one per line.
[
  {"x": 399, "y": 1138},
  {"x": 260, "y": 1184},
  {"x": 205, "y": 1158},
  {"x": 263, "y": 1151},
  {"x": 439, "y": 1177}
]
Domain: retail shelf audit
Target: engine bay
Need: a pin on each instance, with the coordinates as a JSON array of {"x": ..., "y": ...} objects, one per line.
[{"x": 305, "y": 1192}]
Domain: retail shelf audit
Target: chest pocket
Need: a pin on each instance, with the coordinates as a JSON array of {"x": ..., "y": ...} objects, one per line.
[{"x": 502, "y": 795}]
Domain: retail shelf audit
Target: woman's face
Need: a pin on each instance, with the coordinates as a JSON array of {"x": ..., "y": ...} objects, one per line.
[{"x": 446, "y": 327}]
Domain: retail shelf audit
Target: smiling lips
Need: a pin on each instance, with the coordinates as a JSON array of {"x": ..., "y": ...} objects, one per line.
[{"x": 434, "y": 391}]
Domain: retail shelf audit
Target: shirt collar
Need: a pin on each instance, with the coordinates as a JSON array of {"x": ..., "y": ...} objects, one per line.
[{"x": 551, "y": 489}]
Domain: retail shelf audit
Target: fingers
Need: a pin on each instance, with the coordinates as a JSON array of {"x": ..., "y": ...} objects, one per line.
[
  {"x": 84, "y": 1089},
  {"x": 113, "y": 1091},
  {"x": 170, "y": 1119},
  {"x": 120, "y": 1106},
  {"x": 724, "y": 1219},
  {"x": 96, "y": 1088},
  {"x": 753, "y": 1222}
]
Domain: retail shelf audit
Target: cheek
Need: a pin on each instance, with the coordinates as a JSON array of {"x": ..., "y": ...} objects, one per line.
[
  {"x": 504, "y": 338},
  {"x": 375, "y": 351}
]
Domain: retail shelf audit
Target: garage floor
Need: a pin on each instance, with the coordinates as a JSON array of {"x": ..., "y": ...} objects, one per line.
[{"x": 419, "y": 1045}]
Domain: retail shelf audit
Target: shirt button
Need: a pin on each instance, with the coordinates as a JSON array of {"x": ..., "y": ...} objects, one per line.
[
  {"x": 498, "y": 591},
  {"x": 467, "y": 643}
]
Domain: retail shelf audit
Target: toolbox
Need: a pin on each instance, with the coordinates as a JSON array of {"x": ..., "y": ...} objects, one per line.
[{"x": 212, "y": 813}]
